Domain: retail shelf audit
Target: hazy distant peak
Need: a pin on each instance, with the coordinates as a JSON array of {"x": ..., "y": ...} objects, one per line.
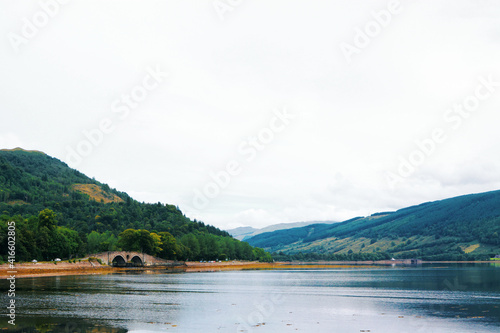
[{"x": 243, "y": 233}]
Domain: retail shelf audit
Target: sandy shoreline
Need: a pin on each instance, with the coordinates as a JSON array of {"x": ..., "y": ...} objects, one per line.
[
  {"x": 41, "y": 269},
  {"x": 85, "y": 268},
  {"x": 51, "y": 269},
  {"x": 62, "y": 268}
]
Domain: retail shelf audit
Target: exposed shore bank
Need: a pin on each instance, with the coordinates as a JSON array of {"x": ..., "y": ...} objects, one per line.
[
  {"x": 23, "y": 270},
  {"x": 62, "y": 268}
]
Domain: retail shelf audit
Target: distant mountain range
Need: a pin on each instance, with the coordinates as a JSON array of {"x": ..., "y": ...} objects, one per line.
[
  {"x": 244, "y": 233},
  {"x": 464, "y": 227}
]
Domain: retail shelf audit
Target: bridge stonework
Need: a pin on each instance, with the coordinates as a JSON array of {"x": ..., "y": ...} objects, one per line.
[{"x": 145, "y": 259}]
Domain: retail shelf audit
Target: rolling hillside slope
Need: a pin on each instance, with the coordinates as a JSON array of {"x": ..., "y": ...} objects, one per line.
[
  {"x": 87, "y": 216},
  {"x": 462, "y": 227}
]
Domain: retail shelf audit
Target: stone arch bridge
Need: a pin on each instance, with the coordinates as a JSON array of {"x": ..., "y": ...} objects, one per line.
[{"x": 132, "y": 259}]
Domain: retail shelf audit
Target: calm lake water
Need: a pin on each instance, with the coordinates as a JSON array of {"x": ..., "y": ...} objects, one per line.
[{"x": 453, "y": 298}]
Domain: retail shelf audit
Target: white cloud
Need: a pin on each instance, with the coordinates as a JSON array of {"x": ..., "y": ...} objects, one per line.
[
  {"x": 10, "y": 140},
  {"x": 353, "y": 120}
]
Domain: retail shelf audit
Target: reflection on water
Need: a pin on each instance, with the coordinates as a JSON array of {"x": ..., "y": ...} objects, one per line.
[{"x": 452, "y": 298}]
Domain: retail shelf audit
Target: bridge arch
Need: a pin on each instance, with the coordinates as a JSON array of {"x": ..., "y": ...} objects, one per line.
[
  {"x": 119, "y": 261},
  {"x": 130, "y": 259},
  {"x": 137, "y": 261}
]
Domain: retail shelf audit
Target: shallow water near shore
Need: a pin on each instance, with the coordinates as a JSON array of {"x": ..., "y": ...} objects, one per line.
[{"x": 430, "y": 298}]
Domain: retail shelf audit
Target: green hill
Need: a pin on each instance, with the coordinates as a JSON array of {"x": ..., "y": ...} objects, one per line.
[
  {"x": 90, "y": 216},
  {"x": 460, "y": 228}
]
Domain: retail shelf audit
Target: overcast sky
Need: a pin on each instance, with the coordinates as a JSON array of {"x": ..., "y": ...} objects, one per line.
[{"x": 302, "y": 110}]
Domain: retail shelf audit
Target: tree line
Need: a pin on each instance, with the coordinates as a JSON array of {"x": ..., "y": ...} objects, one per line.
[{"x": 40, "y": 237}]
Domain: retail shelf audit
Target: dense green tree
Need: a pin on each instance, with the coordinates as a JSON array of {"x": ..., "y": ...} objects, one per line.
[
  {"x": 192, "y": 245},
  {"x": 128, "y": 240},
  {"x": 169, "y": 247},
  {"x": 140, "y": 240},
  {"x": 262, "y": 255},
  {"x": 93, "y": 242},
  {"x": 47, "y": 218}
]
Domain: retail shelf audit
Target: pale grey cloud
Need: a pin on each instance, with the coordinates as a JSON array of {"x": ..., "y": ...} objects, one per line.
[{"x": 354, "y": 121}]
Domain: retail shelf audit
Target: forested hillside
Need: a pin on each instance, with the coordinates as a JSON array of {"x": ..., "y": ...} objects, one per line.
[
  {"x": 465, "y": 227},
  {"x": 61, "y": 212}
]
